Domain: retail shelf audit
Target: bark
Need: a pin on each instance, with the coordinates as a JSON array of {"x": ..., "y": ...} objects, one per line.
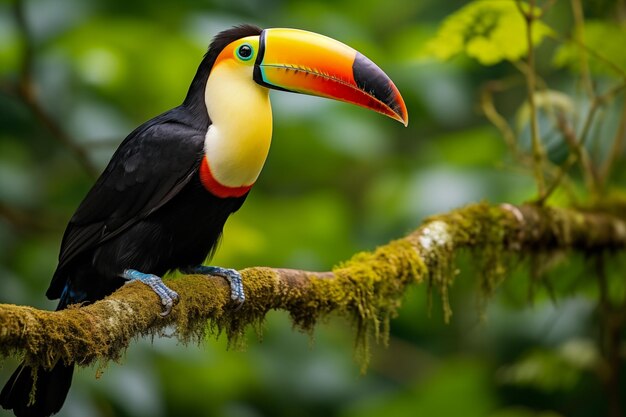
[{"x": 367, "y": 289}]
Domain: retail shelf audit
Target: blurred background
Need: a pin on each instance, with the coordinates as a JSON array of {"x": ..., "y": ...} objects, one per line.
[{"x": 339, "y": 180}]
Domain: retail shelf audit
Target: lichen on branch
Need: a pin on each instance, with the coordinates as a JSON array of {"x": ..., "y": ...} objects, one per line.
[{"x": 366, "y": 289}]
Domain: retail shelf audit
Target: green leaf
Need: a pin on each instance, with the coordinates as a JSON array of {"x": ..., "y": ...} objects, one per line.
[
  {"x": 605, "y": 39},
  {"x": 490, "y": 31}
]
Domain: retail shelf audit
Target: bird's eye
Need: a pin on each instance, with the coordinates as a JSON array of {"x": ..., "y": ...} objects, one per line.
[{"x": 244, "y": 52}]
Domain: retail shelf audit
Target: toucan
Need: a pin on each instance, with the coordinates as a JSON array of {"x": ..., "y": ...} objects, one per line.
[{"x": 161, "y": 203}]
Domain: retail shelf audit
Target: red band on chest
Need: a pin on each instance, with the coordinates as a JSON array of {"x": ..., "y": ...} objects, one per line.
[{"x": 214, "y": 187}]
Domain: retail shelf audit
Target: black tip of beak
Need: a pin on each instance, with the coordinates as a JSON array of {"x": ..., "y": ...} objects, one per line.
[{"x": 371, "y": 79}]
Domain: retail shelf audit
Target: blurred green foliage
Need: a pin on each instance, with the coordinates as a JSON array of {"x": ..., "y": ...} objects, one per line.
[
  {"x": 610, "y": 57},
  {"x": 338, "y": 180},
  {"x": 488, "y": 30}
]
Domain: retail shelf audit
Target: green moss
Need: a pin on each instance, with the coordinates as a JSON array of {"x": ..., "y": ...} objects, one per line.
[
  {"x": 482, "y": 229},
  {"x": 264, "y": 293},
  {"x": 367, "y": 290}
]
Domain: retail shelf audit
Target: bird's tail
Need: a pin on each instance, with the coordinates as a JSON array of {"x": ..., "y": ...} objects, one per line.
[
  {"x": 41, "y": 393},
  {"x": 50, "y": 390}
]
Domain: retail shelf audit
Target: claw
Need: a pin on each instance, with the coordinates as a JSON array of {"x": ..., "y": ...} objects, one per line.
[
  {"x": 231, "y": 275},
  {"x": 168, "y": 296}
]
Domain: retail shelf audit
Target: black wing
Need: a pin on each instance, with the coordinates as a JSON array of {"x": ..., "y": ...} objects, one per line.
[{"x": 149, "y": 168}]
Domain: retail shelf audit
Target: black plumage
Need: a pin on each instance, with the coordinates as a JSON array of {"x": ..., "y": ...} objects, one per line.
[{"x": 148, "y": 211}]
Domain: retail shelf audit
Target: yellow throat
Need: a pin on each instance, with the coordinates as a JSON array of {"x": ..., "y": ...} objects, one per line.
[{"x": 239, "y": 137}]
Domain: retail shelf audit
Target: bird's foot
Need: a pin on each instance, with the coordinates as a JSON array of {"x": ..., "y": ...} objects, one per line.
[
  {"x": 168, "y": 297},
  {"x": 231, "y": 275}
]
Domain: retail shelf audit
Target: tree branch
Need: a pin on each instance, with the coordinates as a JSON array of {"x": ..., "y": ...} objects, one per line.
[
  {"x": 366, "y": 289},
  {"x": 535, "y": 135}
]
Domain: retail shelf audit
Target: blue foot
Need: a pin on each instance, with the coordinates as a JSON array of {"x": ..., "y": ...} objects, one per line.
[
  {"x": 168, "y": 297},
  {"x": 232, "y": 276}
]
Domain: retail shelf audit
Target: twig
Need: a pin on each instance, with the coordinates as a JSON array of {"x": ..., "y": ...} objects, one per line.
[
  {"x": 592, "y": 52},
  {"x": 572, "y": 158},
  {"x": 547, "y": 6},
  {"x": 580, "y": 151},
  {"x": 29, "y": 221},
  {"x": 579, "y": 19},
  {"x": 616, "y": 149},
  {"x": 567, "y": 165},
  {"x": 491, "y": 113},
  {"x": 597, "y": 102},
  {"x": 593, "y": 181},
  {"x": 611, "y": 329},
  {"x": 538, "y": 152},
  {"x": 524, "y": 68}
]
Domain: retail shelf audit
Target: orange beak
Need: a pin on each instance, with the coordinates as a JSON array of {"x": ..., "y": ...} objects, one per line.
[{"x": 308, "y": 63}]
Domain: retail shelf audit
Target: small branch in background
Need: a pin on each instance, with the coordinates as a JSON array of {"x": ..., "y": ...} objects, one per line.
[
  {"x": 29, "y": 221},
  {"x": 538, "y": 151},
  {"x": 593, "y": 53},
  {"x": 105, "y": 143},
  {"x": 595, "y": 105},
  {"x": 594, "y": 181},
  {"x": 547, "y": 6},
  {"x": 579, "y": 33},
  {"x": 597, "y": 102},
  {"x": 523, "y": 68},
  {"x": 489, "y": 109},
  {"x": 620, "y": 11},
  {"x": 561, "y": 174},
  {"x": 26, "y": 91},
  {"x": 616, "y": 150},
  {"x": 612, "y": 324},
  {"x": 580, "y": 153},
  {"x": 491, "y": 113}
]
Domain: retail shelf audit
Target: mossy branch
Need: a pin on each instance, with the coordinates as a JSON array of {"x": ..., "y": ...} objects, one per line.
[{"x": 367, "y": 289}]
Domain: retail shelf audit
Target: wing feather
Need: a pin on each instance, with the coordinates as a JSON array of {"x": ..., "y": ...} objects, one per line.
[{"x": 148, "y": 169}]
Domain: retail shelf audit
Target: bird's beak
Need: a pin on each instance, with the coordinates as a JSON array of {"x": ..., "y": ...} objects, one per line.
[{"x": 308, "y": 63}]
